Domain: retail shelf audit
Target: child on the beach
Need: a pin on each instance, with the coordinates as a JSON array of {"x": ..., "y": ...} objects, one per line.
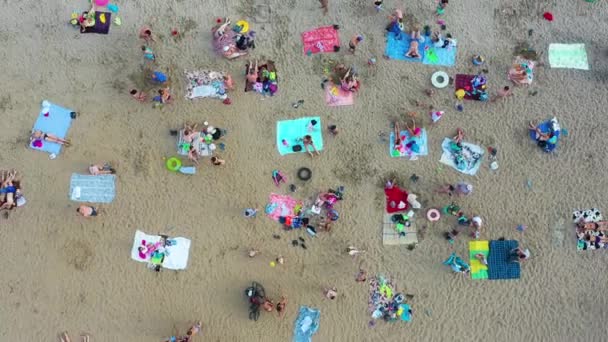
[
  {"x": 138, "y": 95},
  {"x": 354, "y": 42}
]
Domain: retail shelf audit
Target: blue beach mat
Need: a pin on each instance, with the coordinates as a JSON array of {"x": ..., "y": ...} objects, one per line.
[
  {"x": 94, "y": 189},
  {"x": 292, "y": 131},
  {"x": 439, "y": 56},
  {"x": 499, "y": 266},
  {"x": 549, "y": 126},
  {"x": 396, "y": 49},
  {"x": 420, "y": 141},
  {"x": 306, "y": 324},
  {"x": 57, "y": 123}
]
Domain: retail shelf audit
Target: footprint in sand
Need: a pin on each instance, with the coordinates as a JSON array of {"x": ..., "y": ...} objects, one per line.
[{"x": 79, "y": 254}]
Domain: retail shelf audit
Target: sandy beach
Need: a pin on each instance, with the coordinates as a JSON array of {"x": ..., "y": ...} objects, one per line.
[{"x": 66, "y": 272}]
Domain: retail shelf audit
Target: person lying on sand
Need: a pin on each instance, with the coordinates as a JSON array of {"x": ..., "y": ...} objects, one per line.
[
  {"x": 138, "y": 95},
  {"x": 220, "y": 30},
  {"x": 482, "y": 259},
  {"x": 353, "y": 251},
  {"x": 330, "y": 294},
  {"x": 217, "y": 161},
  {"x": 397, "y": 145},
  {"x": 414, "y": 44},
  {"x": 87, "y": 211},
  {"x": 190, "y": 132},
  {"x": 309, "y": 144},
  {"x": 459, "y": 136},
  {"x": 268, "y": 306},
  {"x": 49, "y": 137},
  {"x": 101, "y": 169},
  {"x": 281, "y": 306},
  {"x": 252, "y": 72}
]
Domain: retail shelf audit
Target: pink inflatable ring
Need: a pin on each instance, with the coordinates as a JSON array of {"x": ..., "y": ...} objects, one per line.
[
  {"x": 433, "y": 215},
  {"x": 101, "y": 2}
]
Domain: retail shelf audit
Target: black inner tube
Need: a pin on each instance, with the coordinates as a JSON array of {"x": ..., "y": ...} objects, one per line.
[{"x": 304, "y": 173}]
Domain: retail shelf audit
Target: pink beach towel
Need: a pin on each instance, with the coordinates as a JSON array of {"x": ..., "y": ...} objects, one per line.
[
  {"x": 336, "y": 96},
  {"x": 281, "y": 205},
  {"x": 320, "y": 40}
]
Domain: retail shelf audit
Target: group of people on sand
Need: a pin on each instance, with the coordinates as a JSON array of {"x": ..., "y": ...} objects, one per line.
[
  {"x": 163, "y": 95},
  {"x": 261, "y": 78},
  {"x": 10, "y": 189},
  {"x": 208, "y": 134},
  {"x": 230, "y": 43},
  {"x": 97, "y": 169}
]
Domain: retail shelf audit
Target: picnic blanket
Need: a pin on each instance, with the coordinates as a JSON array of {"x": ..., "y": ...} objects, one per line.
[
  {"x": 292, "y": 131},
  {"x": 396, "y": 48},
  {"x": 410, "y": 146},
  {"x": 396, "y": 200},
  {"x": 384, "y": 300},
  {"x": 439, "y": 56},
  {"x": 102, "y": 23},
  {"x": 205, "y": 83},
  {"x": 281, "y": 205},
  {"x": 199, "y": 145},
  {"x": 465, "y": 159},
  {"x": 591, "y": 229},
  {"x": 472, "y": 92},
  {"x": 94, "y": 189},
  {"x": 336, "y": 96},
  {"x": 568, "y": 56},
  {"x": 392, "y": 237},
  {"x": 55, "y": 120},
  {"x": 306, "y": 324},
  {"x": 549, "y": 126},
  {"x": 174, "y": 256},
  {"x": 478, "y": 270},
  {"x": 499, "y": 266},
  {"x": 320, "y": 40}
]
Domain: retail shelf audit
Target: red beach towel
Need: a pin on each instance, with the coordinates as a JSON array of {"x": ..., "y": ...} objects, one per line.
[
  {"x": 320, "y": 40},
  {"x": 395, "y": 195}
]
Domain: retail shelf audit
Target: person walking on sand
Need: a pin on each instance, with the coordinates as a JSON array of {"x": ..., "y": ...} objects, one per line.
[
  {"x": 87, "y": 211},
  {"x": 354, "y": 42},
  {"x": 324, "y": 6}
]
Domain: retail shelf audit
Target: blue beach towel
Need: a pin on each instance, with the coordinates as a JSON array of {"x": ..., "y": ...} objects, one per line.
[
  {"x": 549, "y": 126},
  {"x": 306, "y": 324},
  {"x": 292, "y": 131},
  {"x": 499, "y": 266},
  {"x": 456, "y": 263},
  {"x": 421, "y": 143},
  {"x": 396, "y": 48},
  {"x": 439, "y": 56},
  {"x": 57, "y": 123},
  {"x": 94, "y": 189}
]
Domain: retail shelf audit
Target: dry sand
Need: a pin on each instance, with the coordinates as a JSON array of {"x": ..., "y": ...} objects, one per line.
[{"x": 65, "y": 272}]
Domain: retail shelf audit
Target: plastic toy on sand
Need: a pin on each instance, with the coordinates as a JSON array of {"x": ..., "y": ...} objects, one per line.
[{"x": 101, "y": 2}]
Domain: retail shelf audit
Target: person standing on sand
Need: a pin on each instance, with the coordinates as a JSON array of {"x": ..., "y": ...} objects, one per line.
[{"x": 324, "y": 6}]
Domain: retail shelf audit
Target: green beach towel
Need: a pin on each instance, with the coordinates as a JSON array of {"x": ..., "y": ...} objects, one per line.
[{"x": 568, "y": 56}]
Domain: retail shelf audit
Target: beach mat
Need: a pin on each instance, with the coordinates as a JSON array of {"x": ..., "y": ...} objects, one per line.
[
  {"x": 99, "y": 27},
  {"x": 499, "y": 266},
  {"x": 478, "y": 270},
  {"x": 177, "y": 254},
  {"x": 461, "y": 81},
  {"x": 336, "y": 96},
  {"x": 439, "y": 56},
  {"x": 306, "y": 324},
  {"x": 568, "y": 56},
  {"x": 390, "y": 236},
  {"x": 281, "y": 205},
  {"x": 57, "y": 123},
  {"x": 397, "y": 195},
  {"x": 93, "y": 189},
  {"x": 292, "y": 131},
  {"x": 470, "y": 166},
  {"x": 421, "y": 142},
  {"x": 199, "y": 144},
  {"x": 396, "y": 48},
  {"x": 320, "y": 40}
]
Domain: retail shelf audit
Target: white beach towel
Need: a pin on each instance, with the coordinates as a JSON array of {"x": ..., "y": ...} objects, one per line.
[{"x": 177, "y": 255}]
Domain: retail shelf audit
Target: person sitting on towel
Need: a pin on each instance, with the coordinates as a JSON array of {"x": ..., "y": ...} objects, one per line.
[{"x": 87, "y": 19}]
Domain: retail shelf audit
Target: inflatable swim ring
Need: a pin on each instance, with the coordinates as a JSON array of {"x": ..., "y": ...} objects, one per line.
[
  {"x": 433, "y": 215},
  {"x": 101, "y": 2},
  {"x": 440, "y": 79},
  {"x": 173, "y": 164},
  {"x": 243, "y": 25},
  {"x": 304, "y": 174}
]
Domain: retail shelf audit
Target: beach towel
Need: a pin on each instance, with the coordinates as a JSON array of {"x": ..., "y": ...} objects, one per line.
[
  {"x": 549, "y": 126},
  {"x": 466, "y": 160},
  {"x": 199, "y": 145},
  {"x": 175, "y": 255},
  {"x": 383, "y": 297},
  {"x": 93, "y": 189},
  {"x": 291, "y": 132},
  {"x": 568, "y": 56},
  {"x": 281, "y": 205},
  {"x": 55, "y": 120},
  {"x": 464, "y": 82},
  {"x": 306, "y": 324},
  {"x": 408, "y": 149},
  {"x": 396, "y": 200},
  {"x": 499, "y": 266},
  {"x": 456, "y": 263},
  {"x": 266, "y": 83},
  {"x": 101, "y": 26},
  {"x": 320, "y": 40},
  {"x": 478, "y": 270},
  {"x": 390, "y": 235},
  {"x": 205, "y": 83},
  {"x": 590, "y": 229},
  {"x": 396, "y": 48},
  {"x": 439, "y": 56},
  {"x": 336, "y": 96}
]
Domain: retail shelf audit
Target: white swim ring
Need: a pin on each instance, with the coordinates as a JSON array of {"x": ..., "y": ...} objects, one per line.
[{"x": 440, "y": 79}]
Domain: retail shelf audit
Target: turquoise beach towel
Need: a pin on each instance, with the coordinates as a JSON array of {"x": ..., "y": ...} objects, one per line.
[
  {"x": 292, "y": 131},
  {"x": 306, "y": 324},
  {"x": 396, "y": 48},
  {"x": 568, "y": 56},
  {"x": 439, "y": 56},
  {"x": 55, "y": 120}
]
